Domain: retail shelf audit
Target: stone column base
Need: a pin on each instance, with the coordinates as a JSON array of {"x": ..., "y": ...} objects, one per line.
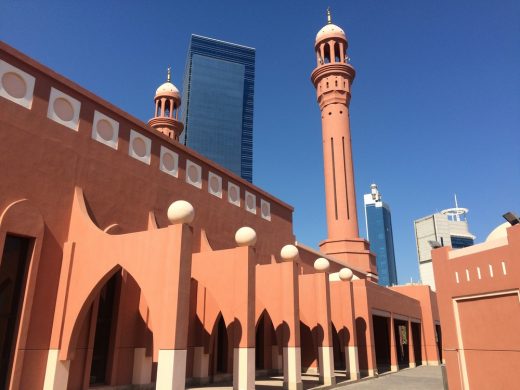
[
  {"x": 142, "y": 373},
  {"x": 243, "y": 368},
  {"x": 292, "y": 368},
  {"x": 200, "y": 363},
  {"x": 171, "y": 369},
  {"x": 326, "y": 365},
  {"x": 353, "y": 363},
  {"x": 57, "y": 372}
]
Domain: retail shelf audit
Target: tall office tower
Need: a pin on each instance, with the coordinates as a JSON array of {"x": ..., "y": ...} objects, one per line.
[
  {"x": 447, "y": 228},
  {"x": 378, "y": 221},
  {"x": 218, "y": 103},
  {"x": 332, "y": 78}
]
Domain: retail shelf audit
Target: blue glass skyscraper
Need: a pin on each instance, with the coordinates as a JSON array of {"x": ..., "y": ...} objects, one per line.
[
  {"x": 218, "y": 103},
  {"x": 379, "y": 233}
]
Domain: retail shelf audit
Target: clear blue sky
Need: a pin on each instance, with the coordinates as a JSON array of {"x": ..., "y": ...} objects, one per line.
[{"x": 435, "y": 104}]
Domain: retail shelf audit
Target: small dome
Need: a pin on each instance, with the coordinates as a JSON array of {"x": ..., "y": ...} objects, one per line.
[
  {"x": 499, "y": 232},
  {"x": 329, "y": 29},
  {"x": 167, "y": 89}
]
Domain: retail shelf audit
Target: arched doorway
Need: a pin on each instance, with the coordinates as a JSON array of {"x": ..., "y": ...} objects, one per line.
[
  {"x": 104, "y": 331},
  {"x": 115, "y": 330},
  {"x": 339, "y": 351},
  {"x": 265, "y": 340},
  {"x": 13, "y": 274},
  {"x": 219, "y": 356}
]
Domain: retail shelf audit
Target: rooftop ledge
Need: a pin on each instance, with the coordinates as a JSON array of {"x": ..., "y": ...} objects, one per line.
[{"x": 469, "y": 250}]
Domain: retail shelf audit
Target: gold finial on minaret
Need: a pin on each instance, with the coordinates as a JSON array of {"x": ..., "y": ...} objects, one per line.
[
  {"x": 169, "y": 76},
  {"x": 329, "y": 18}
]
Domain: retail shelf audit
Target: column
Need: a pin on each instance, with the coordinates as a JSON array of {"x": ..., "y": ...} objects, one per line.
[
  {"x": 351, "y": 351},
  {"x": 142, "y": 373},
  {"x": 200, "y": 364},
  {"x": 57, "y": 372},
  {"x": 292, "y": 365},
  {"x": 171, "y": 369},
  {"x": 244, "y": 303},
  {"x": 394, "y": 365},
  {"x": 325, "y": 350},
  {"x": 411, "y": 352}
]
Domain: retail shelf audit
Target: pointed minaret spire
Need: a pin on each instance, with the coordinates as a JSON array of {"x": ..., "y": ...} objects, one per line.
[
  {"x": 169, "y": 75},
  {"x": 329, "y": 17}
]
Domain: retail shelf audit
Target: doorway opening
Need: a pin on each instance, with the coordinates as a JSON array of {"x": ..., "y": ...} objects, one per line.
[{"x": 13, "y": 276}]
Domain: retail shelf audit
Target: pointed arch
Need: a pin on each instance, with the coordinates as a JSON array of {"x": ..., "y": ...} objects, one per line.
[
  {"x": 220, "y": 347},
  {"x": 69, "y": 344},
  {"x": 265, "y": 340}
]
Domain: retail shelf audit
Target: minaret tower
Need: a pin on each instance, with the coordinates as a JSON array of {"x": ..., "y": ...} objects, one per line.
[
  {"x": 167, "y": 103},
  {"x": 333, "y": 79}
]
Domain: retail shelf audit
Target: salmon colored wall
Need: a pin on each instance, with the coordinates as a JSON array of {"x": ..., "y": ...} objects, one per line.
[
  {"x": 480, "y": 314},
  {"x": 118, "y": 188},
  {"x": 430, "y": 317}
]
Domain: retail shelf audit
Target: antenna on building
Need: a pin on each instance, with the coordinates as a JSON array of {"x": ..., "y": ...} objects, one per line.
[{"x": 456, "y": 213}]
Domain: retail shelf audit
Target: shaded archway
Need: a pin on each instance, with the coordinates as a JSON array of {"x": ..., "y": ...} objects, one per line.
[
  {"x": 417, "y": 343},
  {"x": 402, "y": 343},
  {"x": 308, "y": 347},
  {"x": 382, "y": 343},
  {"x": 265, "y": 340},
  {"x": 13, "y": 274},
  {"x": 361, "y": 334},
  {"x": 438, "y": 339},
  {"x": 220, "y": 353},
  {"x": 338, "y": 349},
  {"x": 116, "y": 329}
]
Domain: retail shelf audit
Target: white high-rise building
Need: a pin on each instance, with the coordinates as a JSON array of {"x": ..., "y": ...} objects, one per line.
[{"x": 447, "y": 228}]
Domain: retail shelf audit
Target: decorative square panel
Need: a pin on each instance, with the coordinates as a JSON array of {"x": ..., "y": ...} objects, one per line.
[
  {"x": 140, "y": 147},
  {"x": 63, "y": 109},
  {"x": 233, "y": 194},
  {"x": 250, "y": 200},
  {"x": 105, "y": 130},
  {"x": 16, "y": 85},
  {"x": 193, "y": 174},
  {"x": 215, "y": 184},
  {"x": 169, "y": 162},
  {"x": 265, "y": 209}
]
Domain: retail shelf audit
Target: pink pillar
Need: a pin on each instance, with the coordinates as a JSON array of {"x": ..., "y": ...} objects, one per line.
[
  {"x": 411, "y": 352},
  {"x": 394, "y": 365}
]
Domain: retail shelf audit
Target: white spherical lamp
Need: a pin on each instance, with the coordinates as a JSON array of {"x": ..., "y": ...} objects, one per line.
[
  {"x": 321, "y": 264},
  {"x": 245, "y": 236},
  {"x": 345, "y": 274},
  {"x": 289, "y": 253},
  {"x": 181, "y": 211}
]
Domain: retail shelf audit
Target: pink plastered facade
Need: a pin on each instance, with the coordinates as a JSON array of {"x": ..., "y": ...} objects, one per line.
[
  {"x": 479, "y": 304},
  {"x": 113, "y": 292}
]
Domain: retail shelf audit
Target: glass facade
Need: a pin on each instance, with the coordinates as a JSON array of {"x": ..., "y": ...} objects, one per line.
[
  {"x": 218, "y": 103},
  {"x": 461, "y": 242},
  {"x": 379, "y": 230}
]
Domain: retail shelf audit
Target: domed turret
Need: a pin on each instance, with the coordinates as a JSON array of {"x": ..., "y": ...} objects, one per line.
[
  {"x": 167, "y": 104},
  {"x": 331, "y": 43},
  {"x": 168, "y": 89}
]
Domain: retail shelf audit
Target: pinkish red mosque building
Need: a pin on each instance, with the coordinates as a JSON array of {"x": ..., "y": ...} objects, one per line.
[
  {"x": 129, "y": 259},
  {"x": 479, "y": 301}
]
